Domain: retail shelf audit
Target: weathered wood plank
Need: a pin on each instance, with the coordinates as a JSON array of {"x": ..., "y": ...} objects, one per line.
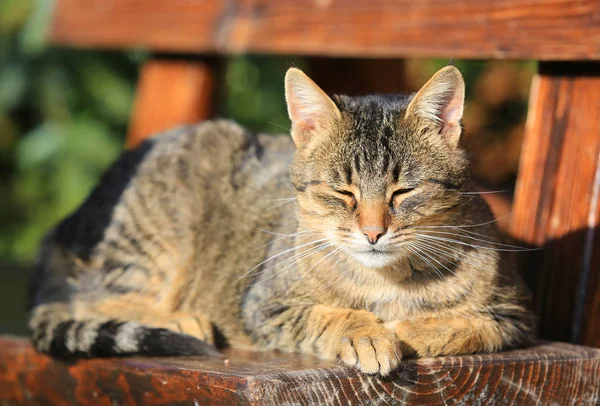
[
  {"x": 536, "y": 29},
  {"x": 557, "y": 201},
  {"x": 546, "y": 374},
  {"x": 170, "y": 93},
  {"x": 175, "y": 25}
]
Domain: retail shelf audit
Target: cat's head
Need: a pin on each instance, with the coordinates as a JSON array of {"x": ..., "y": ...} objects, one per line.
[{"x": 367, "y": 170}]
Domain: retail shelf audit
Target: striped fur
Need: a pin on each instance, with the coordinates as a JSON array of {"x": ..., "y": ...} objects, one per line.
[
  {"x": 54, "y": 331},
  {"x": 359, "y": 239}
]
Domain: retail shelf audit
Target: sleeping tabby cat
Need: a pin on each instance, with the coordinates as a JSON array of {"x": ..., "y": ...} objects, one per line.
[{"x": 361, "y": 240}]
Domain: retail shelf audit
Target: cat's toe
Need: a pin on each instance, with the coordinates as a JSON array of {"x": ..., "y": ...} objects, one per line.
[
  {"x": 367, "y": 356},
  {"x": 347, "y": 354},
  {"x": 372, "y": 355},
  {"x": 388, "y": 354}
]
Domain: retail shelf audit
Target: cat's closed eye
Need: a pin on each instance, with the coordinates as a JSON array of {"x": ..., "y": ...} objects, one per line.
[
  {"x": 348, "y": 197},
  {"x": 398, "y": 194}
]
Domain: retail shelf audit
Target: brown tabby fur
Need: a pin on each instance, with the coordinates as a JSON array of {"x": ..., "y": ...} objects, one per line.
[{"x": 198, "y": 232}]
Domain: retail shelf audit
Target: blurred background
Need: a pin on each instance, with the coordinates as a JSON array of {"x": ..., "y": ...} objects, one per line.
[{"x": 64, "y": 116}]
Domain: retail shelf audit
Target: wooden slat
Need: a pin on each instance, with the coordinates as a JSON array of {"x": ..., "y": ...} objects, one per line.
[
  {"x": 557, "y": 201},
  {"x": 170, "y": 93},
  {"x": 160, "y": 25},
  {"x": 536, "y": 29},
  {"x": 546, "y": 374}
]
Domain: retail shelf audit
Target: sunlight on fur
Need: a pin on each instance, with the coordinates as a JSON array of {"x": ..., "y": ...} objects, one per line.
[{"x": 358, "y": 239}]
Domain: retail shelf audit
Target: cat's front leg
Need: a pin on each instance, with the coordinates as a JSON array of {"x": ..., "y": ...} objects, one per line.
[
  {"x": 356, "y": 337},
  {"x": 431, "y": 337}
]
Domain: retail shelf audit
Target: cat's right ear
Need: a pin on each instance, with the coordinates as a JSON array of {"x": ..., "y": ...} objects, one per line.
[
  {"x": 312, "y": 112},
  {"x": 441, "y": 102}
]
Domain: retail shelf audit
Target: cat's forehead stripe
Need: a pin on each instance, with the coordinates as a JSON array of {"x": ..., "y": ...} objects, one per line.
[{"x": 370, "y": 156}]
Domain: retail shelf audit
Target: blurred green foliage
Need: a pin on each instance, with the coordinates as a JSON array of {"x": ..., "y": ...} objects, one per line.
[
  {"x": 62, "y": 116},
  {"x": 255, "y": 93}
]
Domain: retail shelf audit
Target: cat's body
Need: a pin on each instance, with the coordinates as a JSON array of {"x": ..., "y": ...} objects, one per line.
[{"x": 199, "y": 232}]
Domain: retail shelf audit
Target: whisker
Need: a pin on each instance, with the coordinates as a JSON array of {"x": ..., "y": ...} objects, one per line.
[
  {"x": 439, "y": 249},
  {"x": 297, "y": 233},
  {"x": 471, "y": 225},
  {"x": 300, "y": 234},
  {"x": 417, "y": 252},
  {"x": 396, "y": 269},
  {"x": 279, "y": 204},
  {"x": 301, "y": 255},
  {"x": 278, "y": 125},
  {"x": 473, "y": 238},
  {"x": 295, "y": 261},
  {"x": 444, "y": 250},
  {"x": 286, "y": 235},
  {"x": 487, "y": 192},
  {"x": 478, "y": 234},
  {"x": 451, "y": 240},
  {"x": 281, "y": 253},
  {"x": 424, "y": 250},
  {"x": 311, "y": 268},
  {"x": 282, "y": 199}
]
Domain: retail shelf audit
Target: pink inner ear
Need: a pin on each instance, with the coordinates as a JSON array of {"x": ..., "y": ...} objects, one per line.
[
  {"x": 300, "y": 117},
  {"x": 307, "y": 124},
  {"x": 302, "y": 130},
  {"x": 452, "y": 113}
]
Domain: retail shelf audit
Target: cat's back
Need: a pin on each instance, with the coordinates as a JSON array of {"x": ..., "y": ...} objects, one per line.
[
  {"x": 203, "y": 187},
  {"x": 188, "y": 163}
]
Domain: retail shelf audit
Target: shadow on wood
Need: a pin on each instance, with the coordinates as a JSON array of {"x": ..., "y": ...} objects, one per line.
[
  {"x": 557, "y": 201},
  {"x": 548, "y": 373}
]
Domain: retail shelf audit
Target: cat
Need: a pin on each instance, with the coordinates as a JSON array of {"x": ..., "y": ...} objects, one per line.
[{"x": 358, "y": 239}]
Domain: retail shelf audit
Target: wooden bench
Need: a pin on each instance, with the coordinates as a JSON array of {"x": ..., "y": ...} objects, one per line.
[
  {"x": 556, "y": 203},
  {"x": 557, "y": 374}
]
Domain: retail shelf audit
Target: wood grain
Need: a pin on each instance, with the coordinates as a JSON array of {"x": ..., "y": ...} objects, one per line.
[
  {"x": 532, "y": 29},
  {"x": 546, "y": 374},
  {"x": 557, "y": 201},
  {"x": 170, "y": 93}
]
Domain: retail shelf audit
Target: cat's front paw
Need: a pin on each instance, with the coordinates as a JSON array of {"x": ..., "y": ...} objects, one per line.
[
  {"x": 371, "y": 349},
  {"x": 371, "y": 353}
]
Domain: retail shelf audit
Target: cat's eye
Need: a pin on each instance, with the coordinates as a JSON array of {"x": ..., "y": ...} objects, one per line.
[
  {"x": 402, "y": 191},
  {"x": 399, "y": 192},
  {"x": 349, "y": 197}
]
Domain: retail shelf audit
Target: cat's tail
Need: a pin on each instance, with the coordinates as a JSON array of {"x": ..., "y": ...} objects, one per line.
[{"x": 54, "y": 331}]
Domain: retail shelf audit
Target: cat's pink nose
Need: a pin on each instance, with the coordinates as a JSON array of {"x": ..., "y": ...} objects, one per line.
[{"x": 373, "y": 234}]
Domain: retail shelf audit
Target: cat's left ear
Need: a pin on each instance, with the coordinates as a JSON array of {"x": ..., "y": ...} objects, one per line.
[
  {"x": 312, "y": 112},
  {"x": 441, "y": 101}
]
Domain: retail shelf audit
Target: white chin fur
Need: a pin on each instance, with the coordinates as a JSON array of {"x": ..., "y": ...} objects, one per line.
[{"x": 374, "y": 259}]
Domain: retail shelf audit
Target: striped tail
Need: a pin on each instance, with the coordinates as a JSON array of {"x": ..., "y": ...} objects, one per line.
[{"x": 55, "y": 332}]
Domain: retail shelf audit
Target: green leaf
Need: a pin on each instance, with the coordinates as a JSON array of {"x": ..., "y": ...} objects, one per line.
[
  {"x": 39, "y": 147},
  {"x": 13, "y": 84},
  {"x": 34, "y": 35},
  {"x": 92, "y": 144},
  {"x": 13, "y": 14},
  {"x": 110, "y": 92}
]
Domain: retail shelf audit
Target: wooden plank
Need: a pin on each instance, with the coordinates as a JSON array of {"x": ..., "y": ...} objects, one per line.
[
  {"x": 535, "y": 29},
  {"x": 170, "y": 93},
  {"x": 556, "y": 203},
  {"x": 155, "y": 24},
  {"x": 546, "y": 374}
]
